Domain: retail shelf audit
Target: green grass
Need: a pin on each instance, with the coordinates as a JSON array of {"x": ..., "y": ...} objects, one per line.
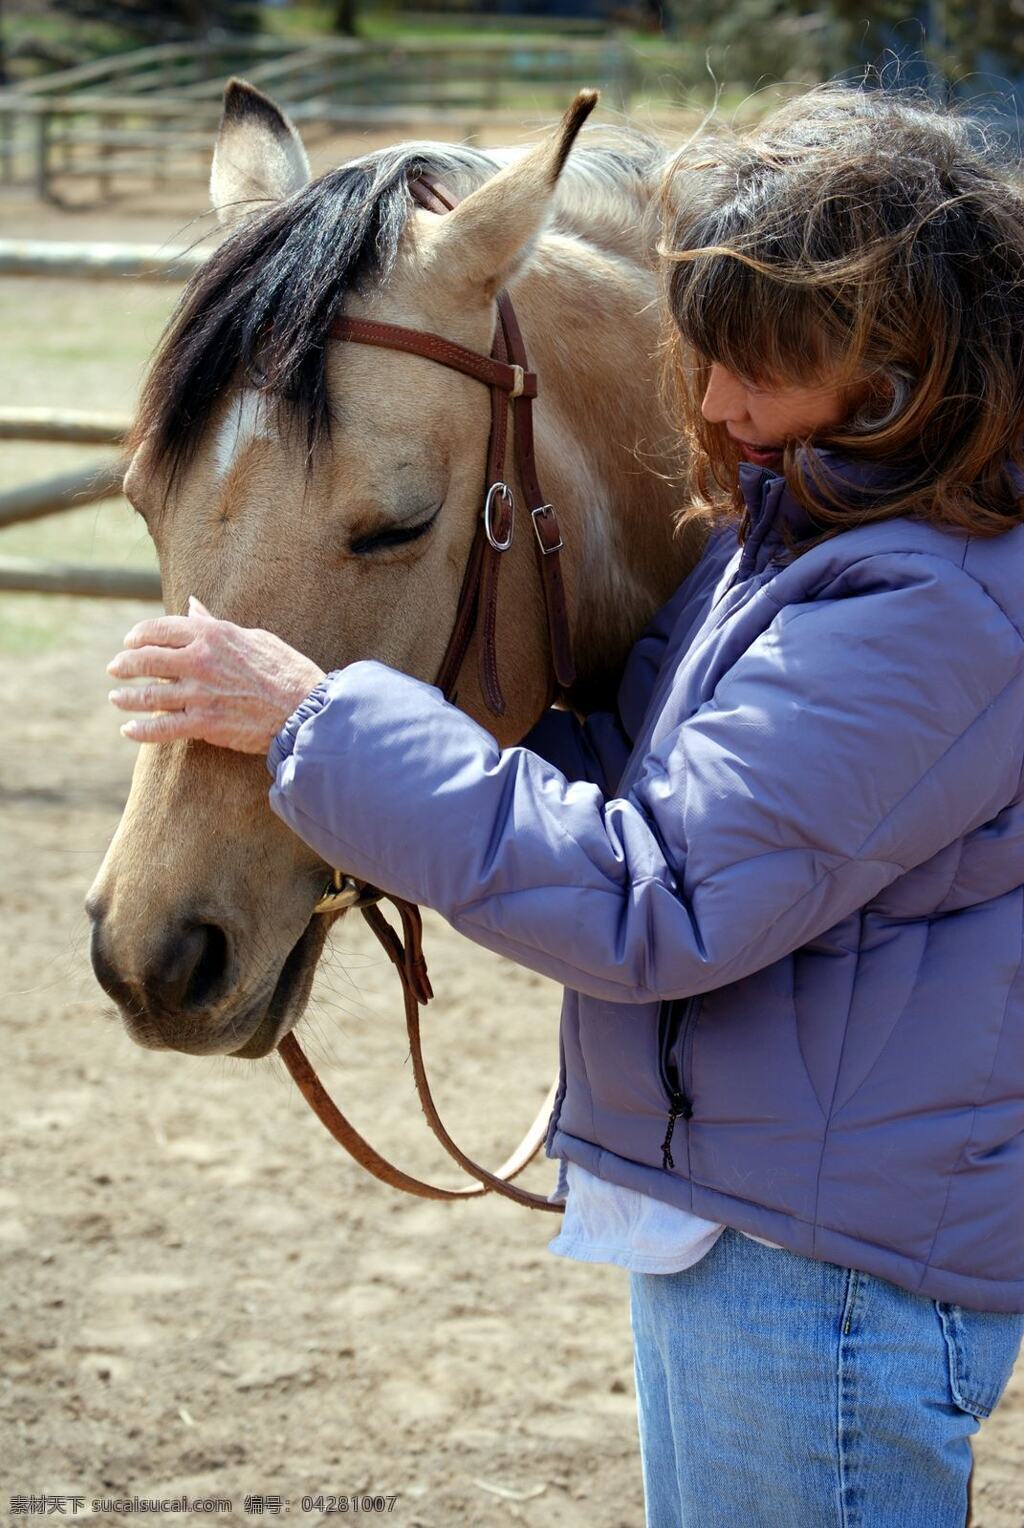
[
  {"x": 35, "y": 623},
  {"x": 387, "y": 23},
  {"x": 375, "y": 22},
  {"x": 72, "y": 345},
  {"x": 110, "y": 533},
  {"x": 80, "y": 41}
]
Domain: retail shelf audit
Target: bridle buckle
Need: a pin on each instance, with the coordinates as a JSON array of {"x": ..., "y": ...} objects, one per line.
[
  {"x": 545, "y": 510},
  {"x": 343, "y": 892},
  {"x": 499, "y": 491}
]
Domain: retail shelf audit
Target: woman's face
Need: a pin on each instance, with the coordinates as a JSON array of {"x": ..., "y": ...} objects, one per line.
[{"x": 760, "y": 421}]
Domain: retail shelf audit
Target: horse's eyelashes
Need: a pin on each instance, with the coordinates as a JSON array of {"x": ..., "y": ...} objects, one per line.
[{"x": 398, "y": 535}]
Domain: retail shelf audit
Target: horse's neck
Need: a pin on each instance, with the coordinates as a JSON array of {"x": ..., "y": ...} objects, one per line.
[{"x": 591, "y": 326}]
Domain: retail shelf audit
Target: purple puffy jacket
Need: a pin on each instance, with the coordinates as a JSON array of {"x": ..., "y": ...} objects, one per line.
[{"x": 784, "y": 886}]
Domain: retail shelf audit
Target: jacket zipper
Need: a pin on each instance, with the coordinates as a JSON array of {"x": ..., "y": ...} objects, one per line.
[
  {"x": 765, "y": 574},
  {"x": 674, "y": 1018}
]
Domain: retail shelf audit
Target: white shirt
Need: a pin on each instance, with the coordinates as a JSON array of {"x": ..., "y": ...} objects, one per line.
[{"x": 606, "y": 1223}]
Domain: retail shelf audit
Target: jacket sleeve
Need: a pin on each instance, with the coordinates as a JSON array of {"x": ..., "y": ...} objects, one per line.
[
  {"x": 597, "y": 748},
  {"x": 856, "y": 736}
]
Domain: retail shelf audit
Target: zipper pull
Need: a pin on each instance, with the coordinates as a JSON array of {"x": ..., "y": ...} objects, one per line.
[{"x": 681, "y": 1109}]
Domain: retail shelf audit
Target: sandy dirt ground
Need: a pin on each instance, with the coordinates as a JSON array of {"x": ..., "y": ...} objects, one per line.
[{"x": 201, "y": 1295}]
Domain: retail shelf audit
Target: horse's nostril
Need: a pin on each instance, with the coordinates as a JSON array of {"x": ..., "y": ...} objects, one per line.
[
  {"x": 210, "y": 970},
  {"x": 193, "y": 970}
]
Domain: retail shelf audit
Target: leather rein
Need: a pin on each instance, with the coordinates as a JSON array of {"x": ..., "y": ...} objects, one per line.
[{"x": 506, "y": 372}]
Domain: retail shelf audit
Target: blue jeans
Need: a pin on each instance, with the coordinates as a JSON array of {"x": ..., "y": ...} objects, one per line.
[{"x": 776, "y": 1391}]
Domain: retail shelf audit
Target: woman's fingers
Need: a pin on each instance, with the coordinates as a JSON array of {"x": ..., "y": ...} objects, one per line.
[
  {"x": 149, "y": 663},
  {"x": 152, "y": 697},
  {"x": 162, "y": 631},
  {"x": 227, "y": 685},
  {"x": 159, "y": 729}
]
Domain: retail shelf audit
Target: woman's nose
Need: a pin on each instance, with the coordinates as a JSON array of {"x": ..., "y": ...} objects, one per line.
[{"x": 723, "y": 397}]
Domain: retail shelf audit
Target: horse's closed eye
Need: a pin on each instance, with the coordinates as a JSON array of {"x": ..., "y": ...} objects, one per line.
[{"x": 398, "y": 535}]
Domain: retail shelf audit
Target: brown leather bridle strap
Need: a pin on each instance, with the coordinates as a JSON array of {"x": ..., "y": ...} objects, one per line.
[
  {"x": 513, "y": 380},
  {"x": 320, "y": 1101},
  {"x": 359, "y": 1148},
  {"x": 545, "y": 524},
  {"x": 508, "y": 376},
  {"x": 465, "y": 619},
  {"x": 499, "y": 515},
  {"x": 506, "y": 371},
  {"x": 429, "y": 192}
]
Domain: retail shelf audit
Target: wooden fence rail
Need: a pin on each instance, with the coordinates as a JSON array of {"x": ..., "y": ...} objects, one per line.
[
  {"x": 116, "y": 110},
  {"x": 155, "y": 60},
  {"x": 70, "y": 490},
  {"x": 29, "y": 575},
  {"x": 64, "y": 425},
  {"x": 98, "y": 262}
]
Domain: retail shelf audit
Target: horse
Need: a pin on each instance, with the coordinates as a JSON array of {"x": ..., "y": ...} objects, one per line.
[{"x": 330, "y": 492}]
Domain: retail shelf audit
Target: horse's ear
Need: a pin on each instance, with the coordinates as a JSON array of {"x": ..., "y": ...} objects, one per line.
[
  {"x": 258, "y": 156},
  {"x": 488, "y": 235}
]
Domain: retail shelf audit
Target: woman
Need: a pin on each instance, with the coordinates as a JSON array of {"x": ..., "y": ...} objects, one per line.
[{"x": 782, "y": 883}]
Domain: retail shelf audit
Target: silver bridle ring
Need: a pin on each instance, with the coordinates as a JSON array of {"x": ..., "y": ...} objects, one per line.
[{"x": 503, "y": 491}]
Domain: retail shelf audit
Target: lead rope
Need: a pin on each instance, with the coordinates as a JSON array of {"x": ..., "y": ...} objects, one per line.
[{"x": 477, "y": 595}]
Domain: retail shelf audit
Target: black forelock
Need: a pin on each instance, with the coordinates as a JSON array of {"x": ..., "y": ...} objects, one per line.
[{"x": 263, "y": 303}]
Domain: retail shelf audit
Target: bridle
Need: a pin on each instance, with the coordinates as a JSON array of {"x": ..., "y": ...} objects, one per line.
[{"x": 506, "y": 372}]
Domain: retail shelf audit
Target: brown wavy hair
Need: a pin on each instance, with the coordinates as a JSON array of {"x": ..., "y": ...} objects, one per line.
[{"x": 874, "y": 238}]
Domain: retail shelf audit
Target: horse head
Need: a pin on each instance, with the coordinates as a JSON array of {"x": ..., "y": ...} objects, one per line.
[{"x": 330, "y": 492}]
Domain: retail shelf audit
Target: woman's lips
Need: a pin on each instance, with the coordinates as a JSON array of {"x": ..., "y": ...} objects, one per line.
[{"x": 761, "y": 456}]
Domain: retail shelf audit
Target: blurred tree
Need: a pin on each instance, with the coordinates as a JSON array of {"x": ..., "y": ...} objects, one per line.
[
  {"x": 751, "y": 41},
  {"x": 345, "y": 17},
  {"x": 931, "y": 41},
  {"x": 165, "y": 20},
  {"x": 965, "y": 36}
]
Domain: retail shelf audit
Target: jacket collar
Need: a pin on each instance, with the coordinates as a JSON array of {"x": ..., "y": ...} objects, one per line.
[{"x": 772, "y": 509}]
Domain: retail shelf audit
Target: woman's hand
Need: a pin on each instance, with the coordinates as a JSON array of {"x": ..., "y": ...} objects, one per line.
[{"x": 233, "y": 686}]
